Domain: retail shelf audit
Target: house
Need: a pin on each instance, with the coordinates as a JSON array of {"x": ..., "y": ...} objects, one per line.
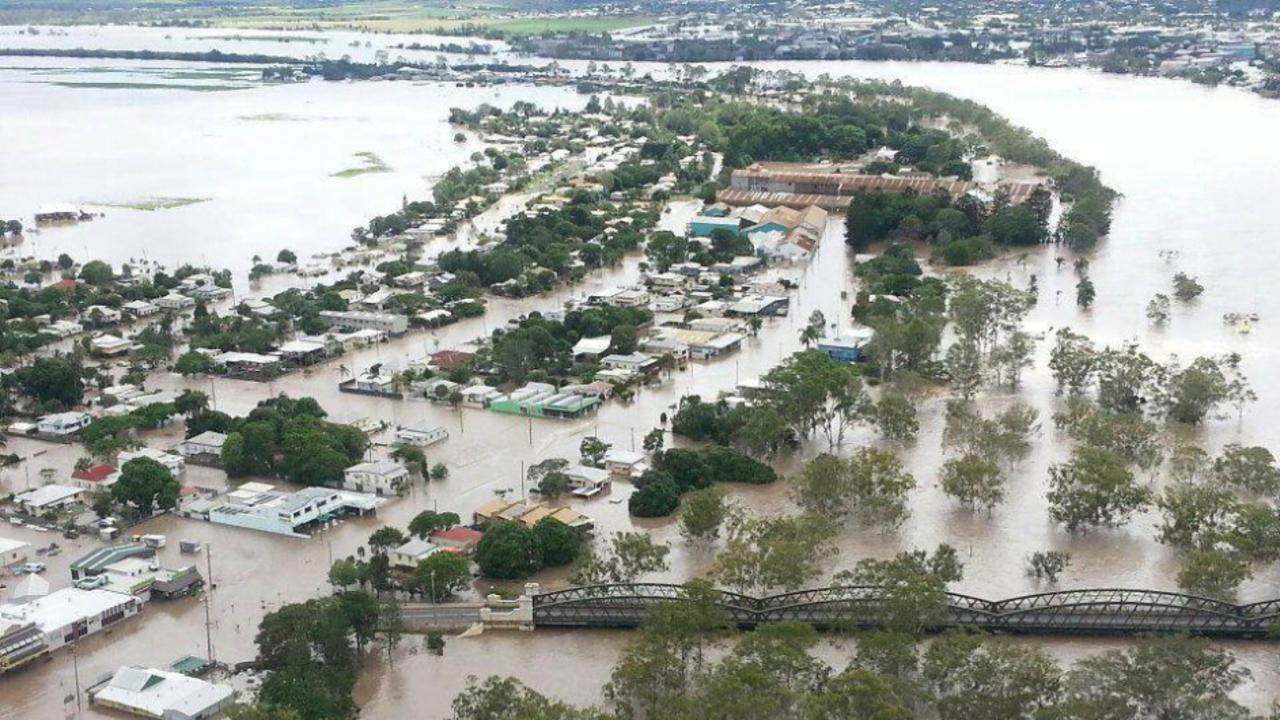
[
  {"x": 591, "y": 348},
  {"x": 140, "y": 308},
  {"x": 249, "y": 365},
  {"x": 847, "y": 347},
  {"x": 479, "y": 395},
  {"x": 586, "y": 481},
  {"x": 175, "y": 464},
  {"x": 96, "y": 561},
  {"x": 623, "y": 463},
  {"x": 633, "y": 362},
  {"x": 355, "y": 320},
  {"x": 63, "y": 424},
  {"x": 669, "y": 303},
  {"x": 109, "y": 345},
  {"x": 413, "y": 552},
  {"x": 62, "y": 329},
  {"x": 64, "y": 616},
  {"x": 446, "y": 360},
  {"x": 461, "y": 540},
  {"x": 303, "y": 352},
  {"x": 174, "y": 301},
  {"x": 437, "y": 389},
  {"x": 162, "y": 694},
  {"x": 203, "y": 449},
  {"x": 542, "y": 400},
  {"x": 528, "y": 513},
  {"x": 698, "y": 344},
  {"x": 380, "y": 477},
  {"x": 12, "y": 552},
  {"x": 98, "y": 477},
  {"x": 759, "y": 306},
  {"x": 629, "y": 297},
  {"x": 99, "y": 315},
  {"x": 413, "y": 279},
  {"x": 705, "y": 225},
  {"x": 291, "y": 514},
  {"x": 421, "y": 435}
]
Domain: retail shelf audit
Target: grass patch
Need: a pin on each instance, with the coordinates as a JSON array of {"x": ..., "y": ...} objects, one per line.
[
  {"x": 88, "y": 85},
  {"x": 371, "y": 164},
  {"x": 153, "y": 204}
]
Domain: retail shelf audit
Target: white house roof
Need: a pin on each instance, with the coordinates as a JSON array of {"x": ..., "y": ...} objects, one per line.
[
  {"x": 7, "y": 545},
  {"x": 47, "y": 495},
  {"x": 593, "y": 345},
  {"x": 377, "y": 467},
  {"x": 417, "y": 548},
  {"x": 210, "y": 438},
  {"x": 161, "y": 693}
]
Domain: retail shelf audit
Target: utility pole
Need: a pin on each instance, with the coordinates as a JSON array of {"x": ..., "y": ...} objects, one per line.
[
  {"x": 522, "y": 496},
  {"x": 75, "y": 665},
  {"x": 530, "y": 418},
  {"x": 208, "y": 601}
]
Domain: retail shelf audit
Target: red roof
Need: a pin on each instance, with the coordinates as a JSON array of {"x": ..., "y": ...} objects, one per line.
[
  {"x": 65, "y": 284},
  {"x": 97, "y": 473},
  {"x": 459, "y": 534},
  {"x": 446, "y": 359}
]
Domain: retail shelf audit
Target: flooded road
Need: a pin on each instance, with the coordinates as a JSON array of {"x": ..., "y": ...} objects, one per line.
[{"x": 1198, "y": 169}]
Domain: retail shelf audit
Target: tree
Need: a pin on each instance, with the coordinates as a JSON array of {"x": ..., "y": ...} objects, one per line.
[
  {"x": 812, "y": 393},
  {"x": 1048, "y": 565},
  {"x": 287, "y": 257},
  {"x": 623, "y": 339},
  {"x": 702, "y": 512},
  {"x": 895, "y": 416},
  {"x": 913, "y": 586},
  {"x": 191, "y": 402},
  {"x": 429, "y": 521},
  {"x": 857, "y": 693},
  {"x": 344, "y": 573},
  {"x": 1010, "y": 358},
  {"x": 497, "y": 698},
  {"x": 1085, "y": 293},
  {"x": 441, "y": 575},
  {"x": 774, "y": 553},
  {"x": 261, "y": 711},
  {"x": 656, "y": 495},
  {"x": 1172, "y": 677},
  {"x": 385, "y": 538},
  {"x": 1193, "y": 392},
  {"x": 1094, "y": 488},
  {"x": 964, "y": 368},
  {"x": 971, "y": 677},
  {"x": 51, "y": 380},
  {"x": 973, "y": 481},
  {"x": 1185, "y": 287},
  {"x": 626, "y": 557},
  {"x": 194, "y": 362},
  {"x": 653, "y": 441},
  {"x": 592, "y": 450},
  {"x": 508, "y": 551},
  {"x": 871, "y": 486},
  {"x": 558, "y": 543},
  {"x": 65, "y": 262},
  {"x": 147, "y": 485},
  {"x": 1158, "y": 309},
  {"x": 1252, "y": 469},
  {"x": 1214, "y": 573},
  {"x": 1129, "y": 435},
  {"x": 1073, "y": 362},
  {"x": 96, "y": 272}
]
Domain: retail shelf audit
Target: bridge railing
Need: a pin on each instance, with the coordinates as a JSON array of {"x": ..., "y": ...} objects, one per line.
[{"x": 1094, "y": 610}]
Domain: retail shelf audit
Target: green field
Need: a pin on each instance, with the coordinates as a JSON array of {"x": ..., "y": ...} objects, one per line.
[
  {"x": 371, "y": 15},
  {"x": 370, "y": 163},
  {"x": 152, "y": 204}
]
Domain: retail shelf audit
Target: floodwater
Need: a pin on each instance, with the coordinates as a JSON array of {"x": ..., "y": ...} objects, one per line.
[{"x": 1198, "y": 169}]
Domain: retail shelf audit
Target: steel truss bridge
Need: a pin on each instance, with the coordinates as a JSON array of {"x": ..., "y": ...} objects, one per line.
[{"x": 1107, "y": 611}]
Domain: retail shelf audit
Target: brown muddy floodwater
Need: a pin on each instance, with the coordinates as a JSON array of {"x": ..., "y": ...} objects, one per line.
[{"x": 1198, "y": 168}]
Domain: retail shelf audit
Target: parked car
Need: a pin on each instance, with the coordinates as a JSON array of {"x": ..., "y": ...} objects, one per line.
[{"x": 31, "y": 568}]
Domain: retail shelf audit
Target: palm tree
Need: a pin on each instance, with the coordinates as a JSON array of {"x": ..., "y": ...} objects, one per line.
[{"x": 810, "y": 335}]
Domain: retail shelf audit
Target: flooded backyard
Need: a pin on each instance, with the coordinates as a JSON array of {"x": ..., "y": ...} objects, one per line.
[{"x": 264, "y": 158}]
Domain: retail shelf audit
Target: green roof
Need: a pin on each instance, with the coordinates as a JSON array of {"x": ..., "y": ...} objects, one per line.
[{"x": 98, "y": 559}]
